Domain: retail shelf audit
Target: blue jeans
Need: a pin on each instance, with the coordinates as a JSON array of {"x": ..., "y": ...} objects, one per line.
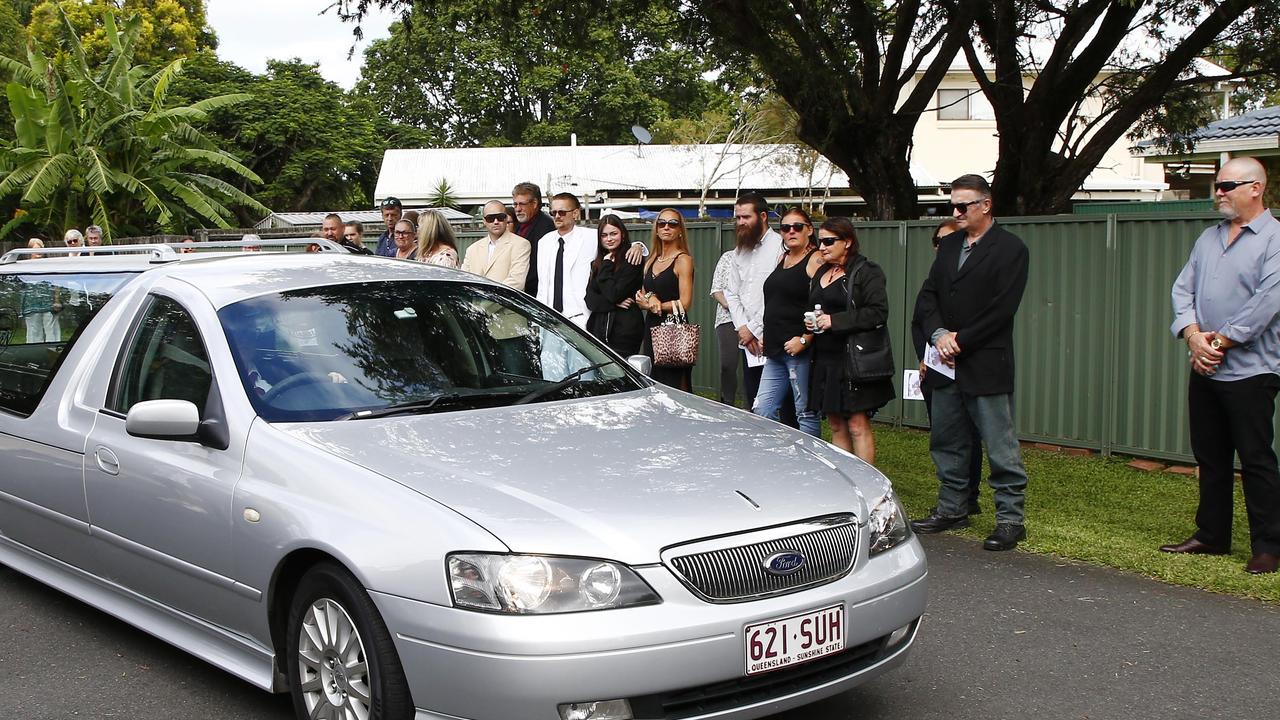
[
  {"x": 950, "y": 444},
  {"x": 778, "y": 371}
]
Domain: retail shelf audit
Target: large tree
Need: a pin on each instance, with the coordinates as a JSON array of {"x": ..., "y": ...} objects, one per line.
[
  {"x": 478, "y": 72},
  {"x": 318, "y": 147},
  {"x": 1136, "y": 56},
  {"x": 859, "y": 73},
  {"x": 104, "y": 145},
  {"x": 170, "y": 29}
]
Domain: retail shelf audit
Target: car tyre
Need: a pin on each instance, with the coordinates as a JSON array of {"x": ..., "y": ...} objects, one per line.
[{"x": 342, "y": 662}]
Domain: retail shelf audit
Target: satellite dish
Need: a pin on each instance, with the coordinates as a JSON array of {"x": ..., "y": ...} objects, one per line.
[{"x": 644, "y": 137}]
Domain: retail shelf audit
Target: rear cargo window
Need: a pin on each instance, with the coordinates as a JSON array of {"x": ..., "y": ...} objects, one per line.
[{"x": 41, "y": 317}]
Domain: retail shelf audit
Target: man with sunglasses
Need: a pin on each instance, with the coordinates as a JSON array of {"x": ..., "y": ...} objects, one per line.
[
  {"x": 1226, "y": 307},
  {"x": 392, "y": 210},
  {"x": 531, "y": 224},
  {"x": 970, "y": 298},
  {"x": 756, "y": 253},
  {"x": 504, "y": 257}
]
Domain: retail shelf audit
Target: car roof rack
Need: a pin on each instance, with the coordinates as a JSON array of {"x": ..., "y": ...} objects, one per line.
[{"x": 168, "y": 252}]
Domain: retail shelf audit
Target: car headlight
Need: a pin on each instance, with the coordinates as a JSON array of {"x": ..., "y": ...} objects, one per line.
[
  {"x": 536, "y": 584},
  {"x": 888, "y": 523}
]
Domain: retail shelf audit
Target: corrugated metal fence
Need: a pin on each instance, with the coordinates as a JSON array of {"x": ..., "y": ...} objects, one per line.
[{"x": 1096, "y": 365}]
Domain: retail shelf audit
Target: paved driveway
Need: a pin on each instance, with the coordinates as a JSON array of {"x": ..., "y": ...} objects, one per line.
[{"x": 1007, "y": 635}]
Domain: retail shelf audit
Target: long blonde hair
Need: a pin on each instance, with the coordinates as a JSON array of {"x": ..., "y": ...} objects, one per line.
[{"x": 433, "y": 231}]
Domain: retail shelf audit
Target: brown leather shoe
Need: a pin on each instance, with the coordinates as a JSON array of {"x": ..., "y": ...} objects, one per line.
[
  {"x": 1263, "y": 563},
  {"x": 1192, "y": 546}
]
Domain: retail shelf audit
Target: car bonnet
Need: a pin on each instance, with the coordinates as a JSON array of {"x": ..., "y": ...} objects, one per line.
[{"x": 618, "y": 477}]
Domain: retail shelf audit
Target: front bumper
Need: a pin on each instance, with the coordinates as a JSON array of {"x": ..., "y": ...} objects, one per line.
[{"x": 683, "y": 658}]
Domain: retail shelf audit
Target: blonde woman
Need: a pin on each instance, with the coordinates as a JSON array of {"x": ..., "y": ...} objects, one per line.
[
  {"x": 436, "y": 243},
  {"x": 668, "y": 278}
]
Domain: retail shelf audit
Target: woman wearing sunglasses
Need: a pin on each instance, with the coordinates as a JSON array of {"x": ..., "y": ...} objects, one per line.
[
  {"x": 615, "y": 318},
  {"x": 668, "y": 279},
  {"x": 851, "y": 290},
  {"x": 787, "y": 343},
  {"x": 402, "y": 234},
  {"x": 436, "y": 244}
]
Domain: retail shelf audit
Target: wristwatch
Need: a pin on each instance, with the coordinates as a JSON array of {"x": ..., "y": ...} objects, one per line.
[{"x": 803, "y": 341}]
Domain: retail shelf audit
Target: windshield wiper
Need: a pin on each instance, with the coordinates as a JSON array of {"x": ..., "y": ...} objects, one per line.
[
  {"x": 572, "y": 378},
  {"x": 422, "y": 404}
]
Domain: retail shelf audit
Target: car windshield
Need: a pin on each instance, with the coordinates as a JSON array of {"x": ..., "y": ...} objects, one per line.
[{"x": 379, "y": 348}]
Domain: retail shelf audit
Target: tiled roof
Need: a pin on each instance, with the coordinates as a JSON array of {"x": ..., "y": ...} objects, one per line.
[{"x": 1259, "y": 123}]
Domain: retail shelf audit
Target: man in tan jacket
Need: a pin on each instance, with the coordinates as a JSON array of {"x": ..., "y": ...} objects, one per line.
[{"x": 502, "y": 256}]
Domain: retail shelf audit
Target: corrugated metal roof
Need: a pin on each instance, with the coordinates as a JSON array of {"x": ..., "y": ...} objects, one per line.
[
  {"x": 304, "y": 219},
  {"x": 482, "y": 173}
]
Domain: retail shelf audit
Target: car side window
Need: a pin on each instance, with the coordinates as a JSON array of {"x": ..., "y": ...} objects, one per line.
[
  {"x": 166, "y": 359},
  {"x": 41, "y": 317}
]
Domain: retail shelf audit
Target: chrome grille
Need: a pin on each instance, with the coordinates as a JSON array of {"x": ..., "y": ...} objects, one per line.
[{"x": 737, "y": 573}]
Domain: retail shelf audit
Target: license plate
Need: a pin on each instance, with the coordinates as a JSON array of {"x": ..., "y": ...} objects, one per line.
[{"x": 788, "y": 641}]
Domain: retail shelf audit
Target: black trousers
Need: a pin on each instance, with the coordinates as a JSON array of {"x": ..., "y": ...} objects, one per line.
[
  {"x": 750, "y": 381},
  {"x": 1228, "y": 419},
  {"x": 727, "y": 344}
]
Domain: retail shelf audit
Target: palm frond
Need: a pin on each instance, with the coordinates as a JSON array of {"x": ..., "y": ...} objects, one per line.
[
  {"x": 221, "y": 101},
  {"x": 158, "y": 84},
  {"x": 193, "y": 200},
  {"x": 234, "y": 194},
  {"x": 19, "y": 72},
  {"x": 54, "y": 175},
  {"x": 97, "y": 174}
]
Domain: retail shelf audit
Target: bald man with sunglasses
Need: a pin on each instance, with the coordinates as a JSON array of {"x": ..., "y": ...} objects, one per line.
[
  {"x": 503, "y": 255},
  {"x": 1226, "y": 307}
]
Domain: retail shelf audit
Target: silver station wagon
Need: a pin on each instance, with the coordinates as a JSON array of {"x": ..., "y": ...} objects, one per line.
[{"x": 396, "y": 490}]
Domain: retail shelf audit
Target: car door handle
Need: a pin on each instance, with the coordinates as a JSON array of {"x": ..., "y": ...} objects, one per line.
[{"x": 107, "y": 460}]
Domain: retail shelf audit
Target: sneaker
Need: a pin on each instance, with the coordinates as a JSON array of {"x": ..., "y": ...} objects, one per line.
[
  {"x": 936, "y": 523},
  {"x": 1005, "y": 537}
]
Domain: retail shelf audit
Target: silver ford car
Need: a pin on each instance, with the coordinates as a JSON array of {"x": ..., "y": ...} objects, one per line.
[{"x": 400, "y": 491}]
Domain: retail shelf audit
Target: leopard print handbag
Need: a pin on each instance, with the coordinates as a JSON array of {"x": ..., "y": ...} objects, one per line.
[{"x": 675, "y": 341}]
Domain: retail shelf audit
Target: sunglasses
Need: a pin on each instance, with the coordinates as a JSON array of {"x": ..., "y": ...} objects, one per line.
[
  {"x": 560, "y": 213},
  {"x": 496, "y": 217},
  {"x": 963, "y": 207},
  {"x": 792, "y": 227},
  {"x": 1227, "y": 186},
  {"x": 404, "y": 232},
  {"x": 828, "y": 240},
  {"x": 667, "y": 223}
]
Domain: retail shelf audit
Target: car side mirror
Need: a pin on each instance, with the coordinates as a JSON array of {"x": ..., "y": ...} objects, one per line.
[
  {"x": 642, "y": 364},
  {"x": 163, "y": 420}
]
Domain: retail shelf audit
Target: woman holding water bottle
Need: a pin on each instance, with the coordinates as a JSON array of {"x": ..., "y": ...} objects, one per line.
[
  {"x": 786, "y": 341},
  {"x": 848, "y": 295}
]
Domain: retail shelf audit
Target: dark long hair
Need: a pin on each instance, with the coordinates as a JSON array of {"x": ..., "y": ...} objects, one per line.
[
  {"x": 843, "y": 229},
  {"x": 601, "y": 251}
]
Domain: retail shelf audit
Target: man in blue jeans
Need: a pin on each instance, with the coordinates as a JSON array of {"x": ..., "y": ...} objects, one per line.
[{"x": 973, "y": 292}]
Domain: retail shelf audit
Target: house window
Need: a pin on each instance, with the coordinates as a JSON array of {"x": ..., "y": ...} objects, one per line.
[{"x": 964, "y": 104}]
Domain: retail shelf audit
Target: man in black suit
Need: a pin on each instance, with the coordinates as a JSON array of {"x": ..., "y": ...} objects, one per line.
[
  {"x": 531, "y": 224},
  {"x": 973, "y": 292}
]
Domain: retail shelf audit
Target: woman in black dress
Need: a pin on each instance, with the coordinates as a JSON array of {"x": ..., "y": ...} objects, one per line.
[
  {"x": 851, "y": 290},
  {"x": 615, "y": 318},
  {"x": 668, "y": 278},
  {"x": 788, "y": 357}
]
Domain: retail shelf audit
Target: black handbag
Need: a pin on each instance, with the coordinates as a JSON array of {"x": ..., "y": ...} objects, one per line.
[{"x": 870, "y": 351}]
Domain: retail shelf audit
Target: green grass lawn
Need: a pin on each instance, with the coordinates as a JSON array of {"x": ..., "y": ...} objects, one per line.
[{"x": 1092, "y": 509}]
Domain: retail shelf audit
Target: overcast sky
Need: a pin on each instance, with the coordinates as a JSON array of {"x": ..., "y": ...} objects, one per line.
[{"x": 252, "y": 31}]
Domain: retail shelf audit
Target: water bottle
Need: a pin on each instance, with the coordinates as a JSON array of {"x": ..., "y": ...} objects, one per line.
[{"x": 812, "y": 319}]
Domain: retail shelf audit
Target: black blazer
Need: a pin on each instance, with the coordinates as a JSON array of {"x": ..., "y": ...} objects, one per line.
[
  {"x": 622, "y": 330},
  {"x": 542, "y": 224},
  {"x": 978, "y": 303}
]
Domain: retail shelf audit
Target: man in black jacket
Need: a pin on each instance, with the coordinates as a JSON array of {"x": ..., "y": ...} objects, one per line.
[
  {"x": 973, "y": 292},
  {"x": 531, "y": 224}
]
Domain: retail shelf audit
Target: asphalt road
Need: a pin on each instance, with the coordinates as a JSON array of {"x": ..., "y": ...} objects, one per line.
[{"x": 1008, "y": 635}]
